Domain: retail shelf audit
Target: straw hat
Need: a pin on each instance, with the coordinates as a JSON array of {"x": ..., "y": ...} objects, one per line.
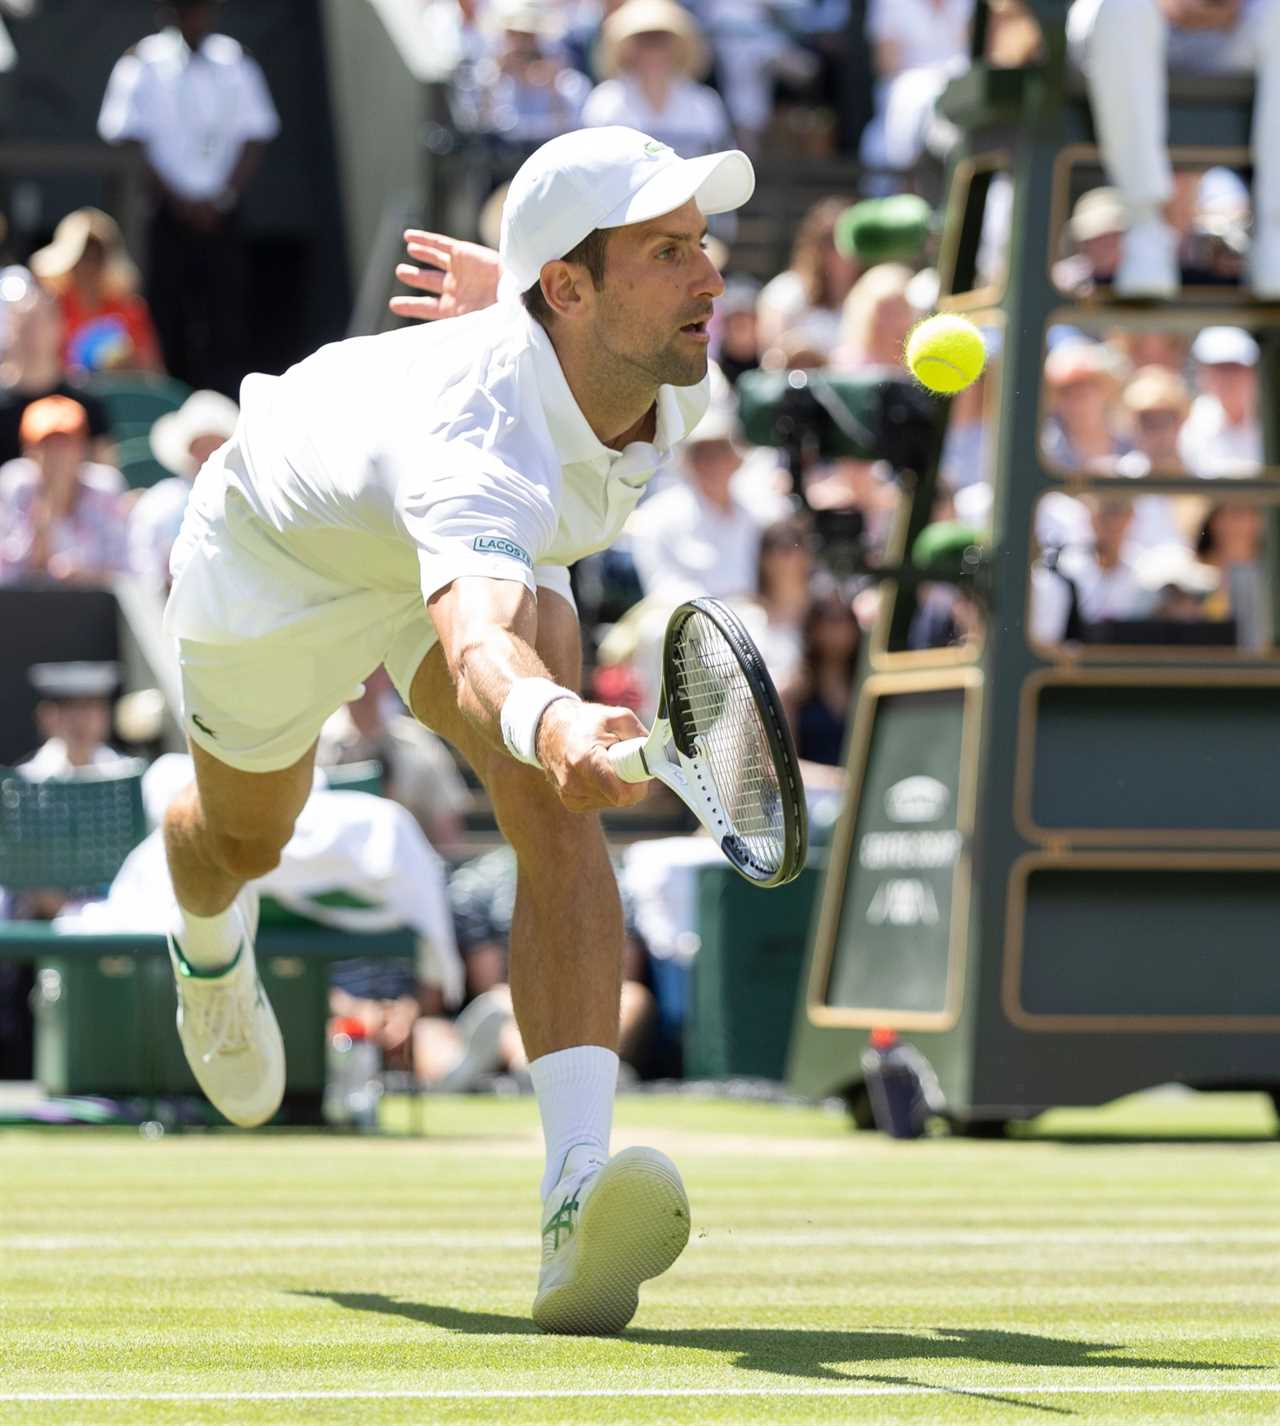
[
  {"x": 72, "y": 236},
  {"x": 204, "y": 413},
  {"x": 1156, "y": 388},
  {"x": 647, "y": 17}
]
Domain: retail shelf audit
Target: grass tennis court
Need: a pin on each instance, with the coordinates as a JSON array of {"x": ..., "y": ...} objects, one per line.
[{"x": 832, "y": 1277}]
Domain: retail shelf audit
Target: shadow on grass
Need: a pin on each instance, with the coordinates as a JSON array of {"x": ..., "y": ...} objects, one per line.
[{"x": 801, "y": 1352}]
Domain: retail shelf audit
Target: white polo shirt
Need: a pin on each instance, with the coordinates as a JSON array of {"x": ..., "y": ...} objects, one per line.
[
  {"x": 193, "y": 111},
  {"x": 400, "y": 462}
]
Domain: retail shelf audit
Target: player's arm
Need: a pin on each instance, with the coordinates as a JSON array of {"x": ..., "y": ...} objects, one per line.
[
  {"x": 488, "y": 630},
  {"x": 455, "y": 277}
]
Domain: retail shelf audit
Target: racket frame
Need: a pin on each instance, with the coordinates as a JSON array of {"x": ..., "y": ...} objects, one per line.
[{"x": 669, "y": 755}]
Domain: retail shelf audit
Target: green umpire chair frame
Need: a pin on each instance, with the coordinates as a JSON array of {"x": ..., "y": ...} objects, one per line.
[{"x": 1041, "y": 877}]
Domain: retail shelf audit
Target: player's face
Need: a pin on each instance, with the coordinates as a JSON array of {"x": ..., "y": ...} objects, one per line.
[{"x": 659, "y": 285}]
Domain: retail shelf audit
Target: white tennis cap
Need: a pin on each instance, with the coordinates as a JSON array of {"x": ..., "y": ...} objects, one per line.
[{"x": 606, "y": 178}]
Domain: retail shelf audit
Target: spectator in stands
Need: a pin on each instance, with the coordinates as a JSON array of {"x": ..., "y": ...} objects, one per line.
[
  {"x": 1124, "y": 47},
  {"x": 523, "y": 92},
  {"x": 918, "y": 45},
  {"x": 1096, "y": 230},
  {"x": 699, "y": 536},
  {"x": 753, "y": 50},
  {"x": 652, "y": 57},
  {"x": 418, "y": 770},
  {"x": 199, "y": 109},
  {"x": 181, "y": 441},
  {"x": 1222, "y": 436},
  {"x": 61, "y": 517},
  {"x": 1156, "y": 401},
  {"x": 32, "y": 367},
  {"x": 1081, "y": 380},
  {"x": 106, "y": 324},
  {"x": 821, "y": 696},
  {"x": 811, "y": 289},
  {"x": 1231, "y": 542},
  {"x": 1140, "y": 346},
  {"x": 1176, "y": 583},
  {"x": 485, "y": 1040},
  {"x": 1089, "y": 583},
  {"x": 736, "y": 328},
  {"x": 73, "y": 718},
  {"x": 783, "y": 596},
  {"x": 876, "y": 318}
]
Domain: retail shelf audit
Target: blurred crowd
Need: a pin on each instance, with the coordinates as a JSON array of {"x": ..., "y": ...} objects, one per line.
[{"x": 93, "y": 487}]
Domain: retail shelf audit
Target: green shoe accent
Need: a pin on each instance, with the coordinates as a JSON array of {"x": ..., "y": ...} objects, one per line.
[
  {"x": 561, "y": 1221},
  {"x": 186, "y": 968}
]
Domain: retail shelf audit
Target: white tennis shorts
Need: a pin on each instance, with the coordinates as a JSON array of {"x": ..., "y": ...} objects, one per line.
[{"x": 269, "y": 646}]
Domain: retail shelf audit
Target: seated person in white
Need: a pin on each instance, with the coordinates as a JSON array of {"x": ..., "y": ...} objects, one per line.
[
  {"x": 917, "y": 46},
  {"x": 367, "y": 847},
  {"x": 698, "y": 536},
  {"x": 73, "y": 717},
  {"x": 1125, "y": 48},
  {"x": 652, "y": 57},
  {"x": 181, "y": 441},
  {"x": 1221, "y": 436},
  {"x": 1101, "y": 578}
]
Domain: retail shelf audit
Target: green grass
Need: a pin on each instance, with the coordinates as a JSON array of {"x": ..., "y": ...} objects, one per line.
[{"x": 832, "y": 1277}]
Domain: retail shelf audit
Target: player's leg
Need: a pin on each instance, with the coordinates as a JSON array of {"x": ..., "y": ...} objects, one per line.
[
  {"x": 566, "y": 934},
  {"x": 608, "y": 1225},
  {"x": 221, "y": 833},
  {"x": 229, "y": 827}
]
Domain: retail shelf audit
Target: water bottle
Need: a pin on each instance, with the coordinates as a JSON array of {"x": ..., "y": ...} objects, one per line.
[
  {"x": 901, "y": 1086},
  {"x": 352, "y": 1080}
]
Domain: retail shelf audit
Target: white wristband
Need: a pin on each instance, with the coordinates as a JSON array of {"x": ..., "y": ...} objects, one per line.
[{"x": 522, "y": 710}]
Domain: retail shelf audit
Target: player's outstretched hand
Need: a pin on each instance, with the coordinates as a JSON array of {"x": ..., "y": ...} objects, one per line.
[
  {"x": 573, "y": 742},
  {"x": 456, "y": 277}
]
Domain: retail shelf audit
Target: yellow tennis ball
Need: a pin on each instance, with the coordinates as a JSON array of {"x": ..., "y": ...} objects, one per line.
[{"x": 945, "y": 353}]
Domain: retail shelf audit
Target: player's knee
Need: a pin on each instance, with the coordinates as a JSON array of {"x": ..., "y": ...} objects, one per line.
[{"x": 248, "y": 858}]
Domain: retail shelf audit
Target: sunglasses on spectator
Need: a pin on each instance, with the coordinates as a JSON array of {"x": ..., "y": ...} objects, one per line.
[{"x": 1155, "y": 417}]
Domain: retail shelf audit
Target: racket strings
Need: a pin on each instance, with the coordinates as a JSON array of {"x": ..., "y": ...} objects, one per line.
[{"x": 731, "y": 739}]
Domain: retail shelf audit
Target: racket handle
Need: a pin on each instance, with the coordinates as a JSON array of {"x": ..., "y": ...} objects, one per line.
[{"x": 627, "y": 760}]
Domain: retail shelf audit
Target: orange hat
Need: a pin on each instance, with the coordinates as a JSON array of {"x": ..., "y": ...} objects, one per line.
[{"x": 52, "y": 416}]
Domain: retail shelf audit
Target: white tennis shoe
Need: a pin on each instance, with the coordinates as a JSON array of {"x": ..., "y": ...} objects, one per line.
[
  {"x": 605, "y": 1230},
  {"x": 229, "y": 1031}
]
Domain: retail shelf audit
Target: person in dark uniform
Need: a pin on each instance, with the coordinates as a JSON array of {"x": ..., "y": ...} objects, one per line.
[{"x": 200, "y": 110}]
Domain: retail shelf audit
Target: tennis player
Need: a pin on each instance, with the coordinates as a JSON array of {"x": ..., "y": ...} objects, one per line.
[{"x": 416, "y": 499}]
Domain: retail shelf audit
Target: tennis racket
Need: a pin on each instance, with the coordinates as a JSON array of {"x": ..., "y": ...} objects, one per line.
[{"x": 722, "y": 745}]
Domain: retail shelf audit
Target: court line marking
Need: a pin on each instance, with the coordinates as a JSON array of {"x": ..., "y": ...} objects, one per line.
[
  {"x": 711, "y": 1236},
  {"x": 569, "y": 1394}
]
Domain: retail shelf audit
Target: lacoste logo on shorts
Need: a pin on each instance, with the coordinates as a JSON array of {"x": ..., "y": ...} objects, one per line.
[
  {"x": 496, "y": 545},
  {"x": 203, "y": 726},
  {"x": 653, "y": 148}
]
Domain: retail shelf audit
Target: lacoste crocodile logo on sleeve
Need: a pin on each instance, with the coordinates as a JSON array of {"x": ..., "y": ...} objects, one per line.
[{"x": 496, "y": 545}]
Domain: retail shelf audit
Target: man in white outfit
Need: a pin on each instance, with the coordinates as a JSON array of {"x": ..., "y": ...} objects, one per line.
[
  {"x": 1125, "y": 48},
  {"x": 415, "y": 499}
]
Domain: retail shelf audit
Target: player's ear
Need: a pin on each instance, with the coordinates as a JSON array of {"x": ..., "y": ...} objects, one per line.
[{"x": 564, "y": 286}]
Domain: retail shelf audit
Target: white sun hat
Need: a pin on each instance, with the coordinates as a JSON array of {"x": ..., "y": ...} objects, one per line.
[
  {"x": 606, "y": 178},
  {"x": 203, "y": 413}
]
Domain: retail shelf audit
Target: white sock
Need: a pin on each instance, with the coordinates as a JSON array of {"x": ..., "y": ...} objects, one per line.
[
  {"x": 575, "y": 1098},
  {"x": 208, "y": 943}
]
